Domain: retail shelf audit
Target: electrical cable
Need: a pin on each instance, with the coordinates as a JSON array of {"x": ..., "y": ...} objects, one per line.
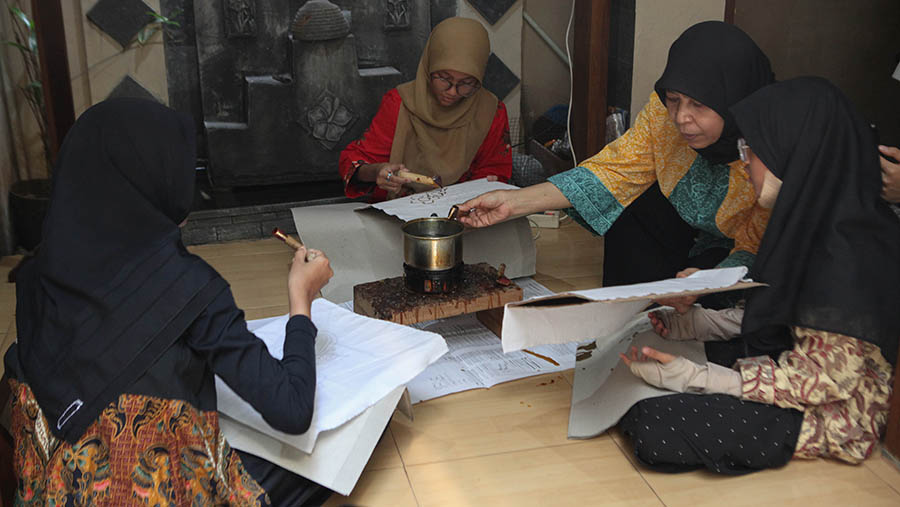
[{"x": 571, "y": 84}]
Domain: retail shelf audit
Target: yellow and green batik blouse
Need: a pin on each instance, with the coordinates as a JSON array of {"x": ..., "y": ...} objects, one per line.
[{"x": 717, "y": 199}]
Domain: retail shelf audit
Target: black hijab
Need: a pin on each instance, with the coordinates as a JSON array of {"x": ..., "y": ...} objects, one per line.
[
  {"x": 831, "y": 251},
  {"x": 716, "y": 64},
  {"x": 112, "y": 286}
]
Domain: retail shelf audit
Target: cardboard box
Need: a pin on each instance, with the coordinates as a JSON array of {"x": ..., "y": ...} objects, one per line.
[{"x": 585, "y": 315}]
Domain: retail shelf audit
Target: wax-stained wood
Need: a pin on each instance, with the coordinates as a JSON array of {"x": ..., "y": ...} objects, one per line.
[
  {"x": 391, "y": 300},
  {"x": 492, "y": 319}
]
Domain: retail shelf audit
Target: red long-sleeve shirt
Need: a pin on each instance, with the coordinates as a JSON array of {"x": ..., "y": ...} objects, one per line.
[{"x": 494, "y": 157}]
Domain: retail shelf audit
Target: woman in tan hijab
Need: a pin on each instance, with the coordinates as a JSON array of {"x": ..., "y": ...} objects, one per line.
[{"x": 443, "y": 123}]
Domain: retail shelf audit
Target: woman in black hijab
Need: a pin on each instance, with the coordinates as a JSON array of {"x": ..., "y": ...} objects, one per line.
[
  {"x": 829, "y": 257},
  {"x": 717, "y": 65},
  {"x": 121, "y": 330},
  {"x": 670, "y": 193}
]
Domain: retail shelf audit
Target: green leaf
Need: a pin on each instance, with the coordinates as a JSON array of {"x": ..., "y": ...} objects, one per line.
[
  {"x": 165, "y": 20},
  {"x": 16, "y": 45},
  {"x": 17, "y": 12},
  {"x": 34, "y": 92}
]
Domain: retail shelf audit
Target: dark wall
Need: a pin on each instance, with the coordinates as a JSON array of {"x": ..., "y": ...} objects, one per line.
[
  {"x": 216, "y": 81},
  {"x": 855, "y": 45},
  {"x": 621, "y": 53}
]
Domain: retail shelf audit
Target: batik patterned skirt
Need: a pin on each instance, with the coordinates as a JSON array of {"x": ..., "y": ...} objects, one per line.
[
  {"x": 827, "y": 397},
  {"x": 141, "y": 451}
]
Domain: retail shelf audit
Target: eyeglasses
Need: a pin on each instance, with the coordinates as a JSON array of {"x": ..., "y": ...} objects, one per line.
[
  {"x": 743, "y": 150},
  {"x": 463, "y": 88}
]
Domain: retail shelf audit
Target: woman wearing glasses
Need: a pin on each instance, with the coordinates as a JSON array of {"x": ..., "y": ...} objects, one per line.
[
  {"x": 671, "y": 192},
  {"x": 443, "y": 123},
  {"x": 817, "y": 345}
]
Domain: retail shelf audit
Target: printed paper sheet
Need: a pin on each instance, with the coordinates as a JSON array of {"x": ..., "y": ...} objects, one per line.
[{"x": 476, "y": 360}]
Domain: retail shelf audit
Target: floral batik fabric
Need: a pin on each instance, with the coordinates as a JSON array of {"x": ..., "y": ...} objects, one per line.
[
  {"x": 142, "y": 450},
  {"x": 841, "y": 383}
]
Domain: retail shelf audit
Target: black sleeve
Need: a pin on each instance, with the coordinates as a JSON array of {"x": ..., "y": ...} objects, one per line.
[{"x": 282, "y": 391}]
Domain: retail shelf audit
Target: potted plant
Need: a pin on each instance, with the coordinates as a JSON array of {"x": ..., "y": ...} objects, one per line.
[{"x": 29, "y": 197}]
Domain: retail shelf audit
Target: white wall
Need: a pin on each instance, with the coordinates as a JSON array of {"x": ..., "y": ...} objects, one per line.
[
  {"x": 656, "y": 25},
  {"x": 506, "y": 43}
]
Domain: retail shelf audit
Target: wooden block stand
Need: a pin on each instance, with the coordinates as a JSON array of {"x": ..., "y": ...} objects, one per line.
[{"x": 479, "y": 293}]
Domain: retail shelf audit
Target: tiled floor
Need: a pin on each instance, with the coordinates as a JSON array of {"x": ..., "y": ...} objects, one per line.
[{"x": 507, "y": 445}]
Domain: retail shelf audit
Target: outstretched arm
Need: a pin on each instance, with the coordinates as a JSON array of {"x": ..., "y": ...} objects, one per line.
[{"x": 501, "y": 205}]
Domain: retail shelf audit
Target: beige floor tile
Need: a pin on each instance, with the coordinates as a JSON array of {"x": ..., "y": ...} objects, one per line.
[
  {"x": 266, "y": 311},
  {"x": 250, "y": 267},
  {"x": 570, "y": 283},
  {"x": 385, "y": 454},
  {"x": 568, "y": 252},
  {"x": 624, "y": 445},
  {"x": 250, "y": 247},
  {"x": 388, "y": 487},
  {"x": 802, "y": 483},
  {"x": 519, "y": 415},
  {"x": 256, "y": 270},
  {"x": 7, "y": 292},
  {"x": 887, "y": 470},
  {"x": 7, "y": 337},
  {"x": 260, "y": 294},
  {"x": 591, "y": 472}
]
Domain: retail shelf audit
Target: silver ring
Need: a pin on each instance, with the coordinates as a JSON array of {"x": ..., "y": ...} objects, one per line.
[{"x": 389, "y": 175}]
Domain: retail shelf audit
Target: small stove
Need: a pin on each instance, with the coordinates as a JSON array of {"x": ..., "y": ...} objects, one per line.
[
  {"x": 433, "y": 282},
  {"x": 477, "y": 290}
]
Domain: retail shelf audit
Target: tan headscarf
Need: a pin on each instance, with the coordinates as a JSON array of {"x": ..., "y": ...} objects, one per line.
[{"x": 432, "y": 139}]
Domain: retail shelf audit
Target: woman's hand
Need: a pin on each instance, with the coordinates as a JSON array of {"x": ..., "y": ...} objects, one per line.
[
  {"x": 698, "y": 323},
  {"x": 660, "y": 369},
  {"x": 310, "y": 271},
  {"x": 646, "y": 354},
  {"x": 501, "y": 205},
  {"x": 680, "y": 304},
  {"x": 488, "y": 209},
  {"x": 385, "y": 175},
  {"x": 890, "y": 174},
  {"x": 682, "y": 375},
  {"x": 659, "y": 325},
  {"x": 390, "y": 177}
]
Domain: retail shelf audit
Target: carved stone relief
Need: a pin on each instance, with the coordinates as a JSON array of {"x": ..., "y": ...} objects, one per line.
[
  {"x": 240, "y": 18},
  {"x": 328, "y": 119},
  {"x": 396, "y": 14}
]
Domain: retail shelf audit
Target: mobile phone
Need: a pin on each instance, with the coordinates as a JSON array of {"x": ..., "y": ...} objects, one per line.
[{"x": 878, "y": 143}]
